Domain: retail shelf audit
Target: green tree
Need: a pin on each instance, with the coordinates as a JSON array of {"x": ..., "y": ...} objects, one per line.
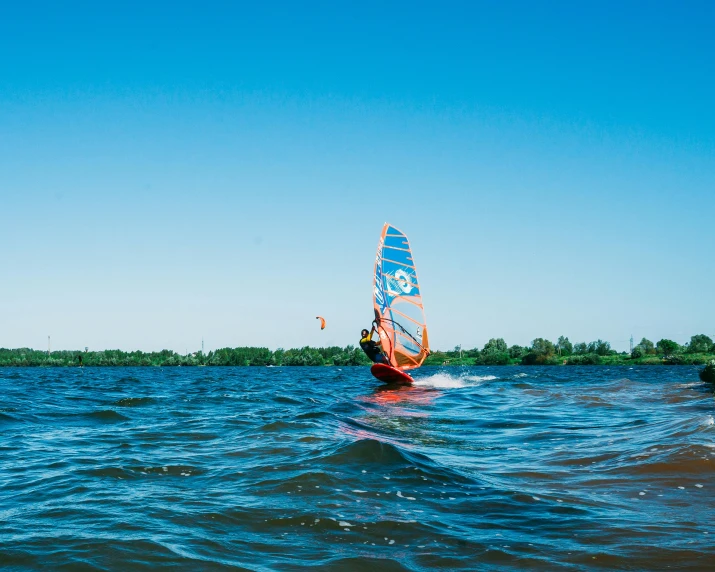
[
  {"x": 542, "y": 352},
  {"x": 600, "y": 347},
  {"x": 667, "y": 347},
  {"x": 647, "y": 346},
  {"x": 494, "y": 358},
  {"x": 495, "y": 352},
  {"x": 495, "y": 344},
  {"x": 586, "y": 359},
  {"x": 580, "y": 349},
  {"x": 517, "y": 352},
  {"x": 564, "y": 346},
  {"x": 638, "y": 352},
  {"x": 699, "y": 344}
]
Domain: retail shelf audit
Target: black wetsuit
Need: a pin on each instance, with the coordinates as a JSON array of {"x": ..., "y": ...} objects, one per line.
[{"x": 372, "y": 350}]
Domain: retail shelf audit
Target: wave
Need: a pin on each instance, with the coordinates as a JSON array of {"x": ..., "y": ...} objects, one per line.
[
  {"x": 498, "y": 464},
  {"x": 372, "y": 451},
  {"x": 107, "y": 415},
  {"x": 281, "y": 426},
  {"x": 374, "y": 457},
  {"x": 6, "y": 417},
  {"x": 136, "y": 471},
  {"x": 362, "y": 563}
]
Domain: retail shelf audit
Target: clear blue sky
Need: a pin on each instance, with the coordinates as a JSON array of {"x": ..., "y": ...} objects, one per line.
[{"x": 173, "y": 170}]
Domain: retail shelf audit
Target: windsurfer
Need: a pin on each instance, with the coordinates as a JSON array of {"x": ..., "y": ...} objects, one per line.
[{"x": 370, "y": 347}]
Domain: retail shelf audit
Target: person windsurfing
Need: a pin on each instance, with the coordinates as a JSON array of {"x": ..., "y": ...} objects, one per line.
[{"x": 370, "y": 347}]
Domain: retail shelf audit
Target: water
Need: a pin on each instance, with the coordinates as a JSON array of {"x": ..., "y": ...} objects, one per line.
[{"x": 293, "y": 468}]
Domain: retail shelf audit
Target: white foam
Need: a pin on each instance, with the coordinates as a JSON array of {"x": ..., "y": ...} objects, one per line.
[
  {"x": 344, "y": 523},
  {"x": 448, "y": 381},
  {"x": 440, "y": 380},
  {"x": 480, "y": 377}
]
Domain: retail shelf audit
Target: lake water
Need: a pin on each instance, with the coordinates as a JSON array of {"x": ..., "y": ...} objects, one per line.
[{"x": 550, "y": 468}]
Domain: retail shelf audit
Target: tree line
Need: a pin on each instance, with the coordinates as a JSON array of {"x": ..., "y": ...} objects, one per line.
[
  {"x": 242, "y": 356},
  {"x": 699, "y": 350}
]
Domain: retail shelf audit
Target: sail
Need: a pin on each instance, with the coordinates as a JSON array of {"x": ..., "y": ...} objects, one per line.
[{"x": 398, "y": 302}]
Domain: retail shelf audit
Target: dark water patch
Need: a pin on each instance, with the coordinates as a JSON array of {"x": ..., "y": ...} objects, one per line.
[
  {"x": 7, "y": 418},
  {"x": 305, "y": 483},
  {"x": 106, "y": 415},
  {"x": 505, "y": 424},
  {"x": 284, "y": 399},
  {"x": 281, "y": 426},
  {"x": 11, "y": 375},
  {"x": 134, "y": 401},
  {"x": 315, "y": 415},
  {"x": 137, "y": 472},
  {"x": 112, "y": 472},
  {"x": 129, "y": 379},
  {"x": 368, "y": 452},
  {"x": 197, "y": 436},
  {"x": 358, "y": 564}
]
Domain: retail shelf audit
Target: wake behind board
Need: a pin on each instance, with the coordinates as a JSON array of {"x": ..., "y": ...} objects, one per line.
[{"x": 389, "y": 374}]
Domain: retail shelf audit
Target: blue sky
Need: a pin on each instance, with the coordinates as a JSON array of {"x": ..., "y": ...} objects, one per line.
[{"x": 223, "y": 170}]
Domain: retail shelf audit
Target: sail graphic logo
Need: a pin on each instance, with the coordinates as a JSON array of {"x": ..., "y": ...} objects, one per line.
[
  {"x": 380, "y": 298},
  {"x": 403, "y": 281}
]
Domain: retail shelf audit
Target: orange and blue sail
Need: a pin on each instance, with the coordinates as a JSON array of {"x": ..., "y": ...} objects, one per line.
[{"x": 397, "y": 299}]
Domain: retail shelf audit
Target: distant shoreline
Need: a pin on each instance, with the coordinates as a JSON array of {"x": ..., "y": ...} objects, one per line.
[{"x": 331, "y": 356}]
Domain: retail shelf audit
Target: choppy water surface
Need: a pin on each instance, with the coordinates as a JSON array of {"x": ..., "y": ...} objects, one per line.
[{"x": 292, "y": 468}]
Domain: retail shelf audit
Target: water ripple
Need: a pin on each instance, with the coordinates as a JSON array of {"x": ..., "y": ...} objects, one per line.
[{"x": 295, "y": 468}]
